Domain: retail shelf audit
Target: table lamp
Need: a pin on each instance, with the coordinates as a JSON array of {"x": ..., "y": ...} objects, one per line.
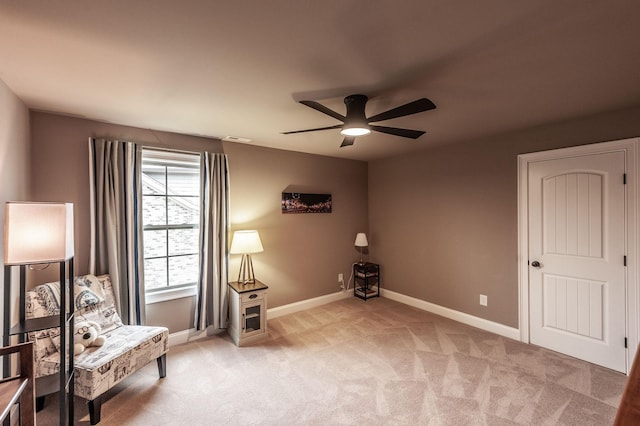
[
  {"x": 361, "y": 241},
  {"x": 245, "y": 243}
]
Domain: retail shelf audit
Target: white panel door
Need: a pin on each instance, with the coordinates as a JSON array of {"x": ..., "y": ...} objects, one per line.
[{"x": 576, "y": 254}]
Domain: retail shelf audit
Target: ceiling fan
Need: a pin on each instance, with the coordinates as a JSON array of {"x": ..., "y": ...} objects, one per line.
[{"x": 356, "y": 123}]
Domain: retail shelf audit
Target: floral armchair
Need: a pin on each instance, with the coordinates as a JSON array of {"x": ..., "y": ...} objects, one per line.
[{"x": 128, "y": 348}]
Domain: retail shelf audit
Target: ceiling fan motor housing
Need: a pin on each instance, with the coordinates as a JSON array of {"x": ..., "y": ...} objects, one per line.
[
  {"x": 356, "y": 118},
  {"x": 355, "y": 107}
]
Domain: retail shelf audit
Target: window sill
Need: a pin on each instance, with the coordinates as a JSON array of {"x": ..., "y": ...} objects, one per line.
[{"x": 169, "y": 294}]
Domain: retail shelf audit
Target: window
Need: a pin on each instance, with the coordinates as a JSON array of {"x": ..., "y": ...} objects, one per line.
[{"x": 170, "y": 218}]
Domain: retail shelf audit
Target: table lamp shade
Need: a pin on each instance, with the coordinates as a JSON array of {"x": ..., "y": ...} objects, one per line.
[
  {"x": 38, "y": 233},
  {"x": 361, "y": 240},
  {"x": 246, "y": 242}
]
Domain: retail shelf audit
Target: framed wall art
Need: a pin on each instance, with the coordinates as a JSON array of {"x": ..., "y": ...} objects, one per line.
[{"x": 295, "y": 202}]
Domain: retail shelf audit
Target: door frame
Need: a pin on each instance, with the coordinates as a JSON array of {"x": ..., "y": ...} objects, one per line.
[{"x": 630, "y": 148}]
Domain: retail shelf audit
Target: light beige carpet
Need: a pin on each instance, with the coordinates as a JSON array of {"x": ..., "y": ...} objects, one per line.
[{"x": 353, "y": 362}]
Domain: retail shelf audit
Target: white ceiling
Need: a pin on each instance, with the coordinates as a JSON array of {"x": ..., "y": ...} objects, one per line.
[{"x": 220, "y": 68}]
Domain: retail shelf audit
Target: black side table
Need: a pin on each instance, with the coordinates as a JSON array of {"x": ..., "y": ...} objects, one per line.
[{"x": 366, "y": 280}]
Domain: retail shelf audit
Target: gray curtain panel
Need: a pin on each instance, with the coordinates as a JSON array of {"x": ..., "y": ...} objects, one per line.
[
  {"x": 116, "y": 223},
  {"x": 212, "y": 303}
]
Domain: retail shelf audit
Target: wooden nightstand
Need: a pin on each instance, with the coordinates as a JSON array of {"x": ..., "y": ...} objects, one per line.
[{"x": 247, "y": 312}]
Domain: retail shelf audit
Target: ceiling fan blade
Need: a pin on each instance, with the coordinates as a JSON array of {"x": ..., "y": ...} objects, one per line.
[
  {"x": 323, "y": 109},
  {"x": 348, "y": 141},
  {"x": 405, "y": 133},
  {"x": 337, "y": 126},
  {"x": 414, "y": 107}
]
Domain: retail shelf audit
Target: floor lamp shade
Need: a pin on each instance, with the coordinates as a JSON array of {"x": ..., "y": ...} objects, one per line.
[{"x": 38, "y": 233}]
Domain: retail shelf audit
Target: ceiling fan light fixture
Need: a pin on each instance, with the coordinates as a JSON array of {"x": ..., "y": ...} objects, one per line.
[{"x": 355, "y": 130}]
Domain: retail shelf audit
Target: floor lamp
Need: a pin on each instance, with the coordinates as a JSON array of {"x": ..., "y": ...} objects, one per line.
[{"x": 41, "y": 234}]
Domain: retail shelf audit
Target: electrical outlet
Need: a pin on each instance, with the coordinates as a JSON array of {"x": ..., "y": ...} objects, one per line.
[
  {"x": 483, "y": 300},
  {"x": 340, "y": 278}
]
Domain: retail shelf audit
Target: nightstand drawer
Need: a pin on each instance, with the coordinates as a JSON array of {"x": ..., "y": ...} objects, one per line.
[{"x": 252, "y": 296}]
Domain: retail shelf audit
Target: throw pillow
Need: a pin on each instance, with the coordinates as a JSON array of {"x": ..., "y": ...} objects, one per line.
[{"x": 87, "y": 291}]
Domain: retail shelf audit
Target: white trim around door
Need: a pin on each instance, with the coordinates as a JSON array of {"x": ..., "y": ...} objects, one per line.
[{"x": 631, "y": 149}]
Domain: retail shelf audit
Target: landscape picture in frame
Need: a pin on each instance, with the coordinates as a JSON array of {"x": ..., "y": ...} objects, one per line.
[{"x": 295, "y": 202}]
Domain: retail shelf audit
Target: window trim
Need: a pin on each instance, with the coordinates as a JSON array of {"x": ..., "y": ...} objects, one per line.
[
  {"x": 167, "y": 158},
  {"x": 164, "y": 295}
]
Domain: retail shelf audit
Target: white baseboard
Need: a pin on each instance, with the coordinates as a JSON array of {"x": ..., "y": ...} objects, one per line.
[
  {"x": 184, "y": 336},
  {"x": 481, "y": 323},
  {"x": 307, "y": 304}
]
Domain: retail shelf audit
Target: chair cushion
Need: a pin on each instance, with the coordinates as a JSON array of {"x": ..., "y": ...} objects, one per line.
[{"x": 127, "y": 349}]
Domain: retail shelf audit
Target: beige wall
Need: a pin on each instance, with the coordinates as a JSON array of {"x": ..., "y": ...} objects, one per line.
[
  {"x": 60, "y": 172},
  {"x": 60, "y": 162},
  {"x": 303, "y": 253},
  {"x": 14, "y": 150},
  {"x": 14, "y": 158},
  {"x": 444, "y": 222}
]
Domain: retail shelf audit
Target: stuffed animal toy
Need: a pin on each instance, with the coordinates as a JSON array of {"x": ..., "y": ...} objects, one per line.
[{"x": 85, "y": 334}]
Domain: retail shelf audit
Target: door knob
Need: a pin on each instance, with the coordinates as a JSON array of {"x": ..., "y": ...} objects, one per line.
[{"x": 535, "y": 264}]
